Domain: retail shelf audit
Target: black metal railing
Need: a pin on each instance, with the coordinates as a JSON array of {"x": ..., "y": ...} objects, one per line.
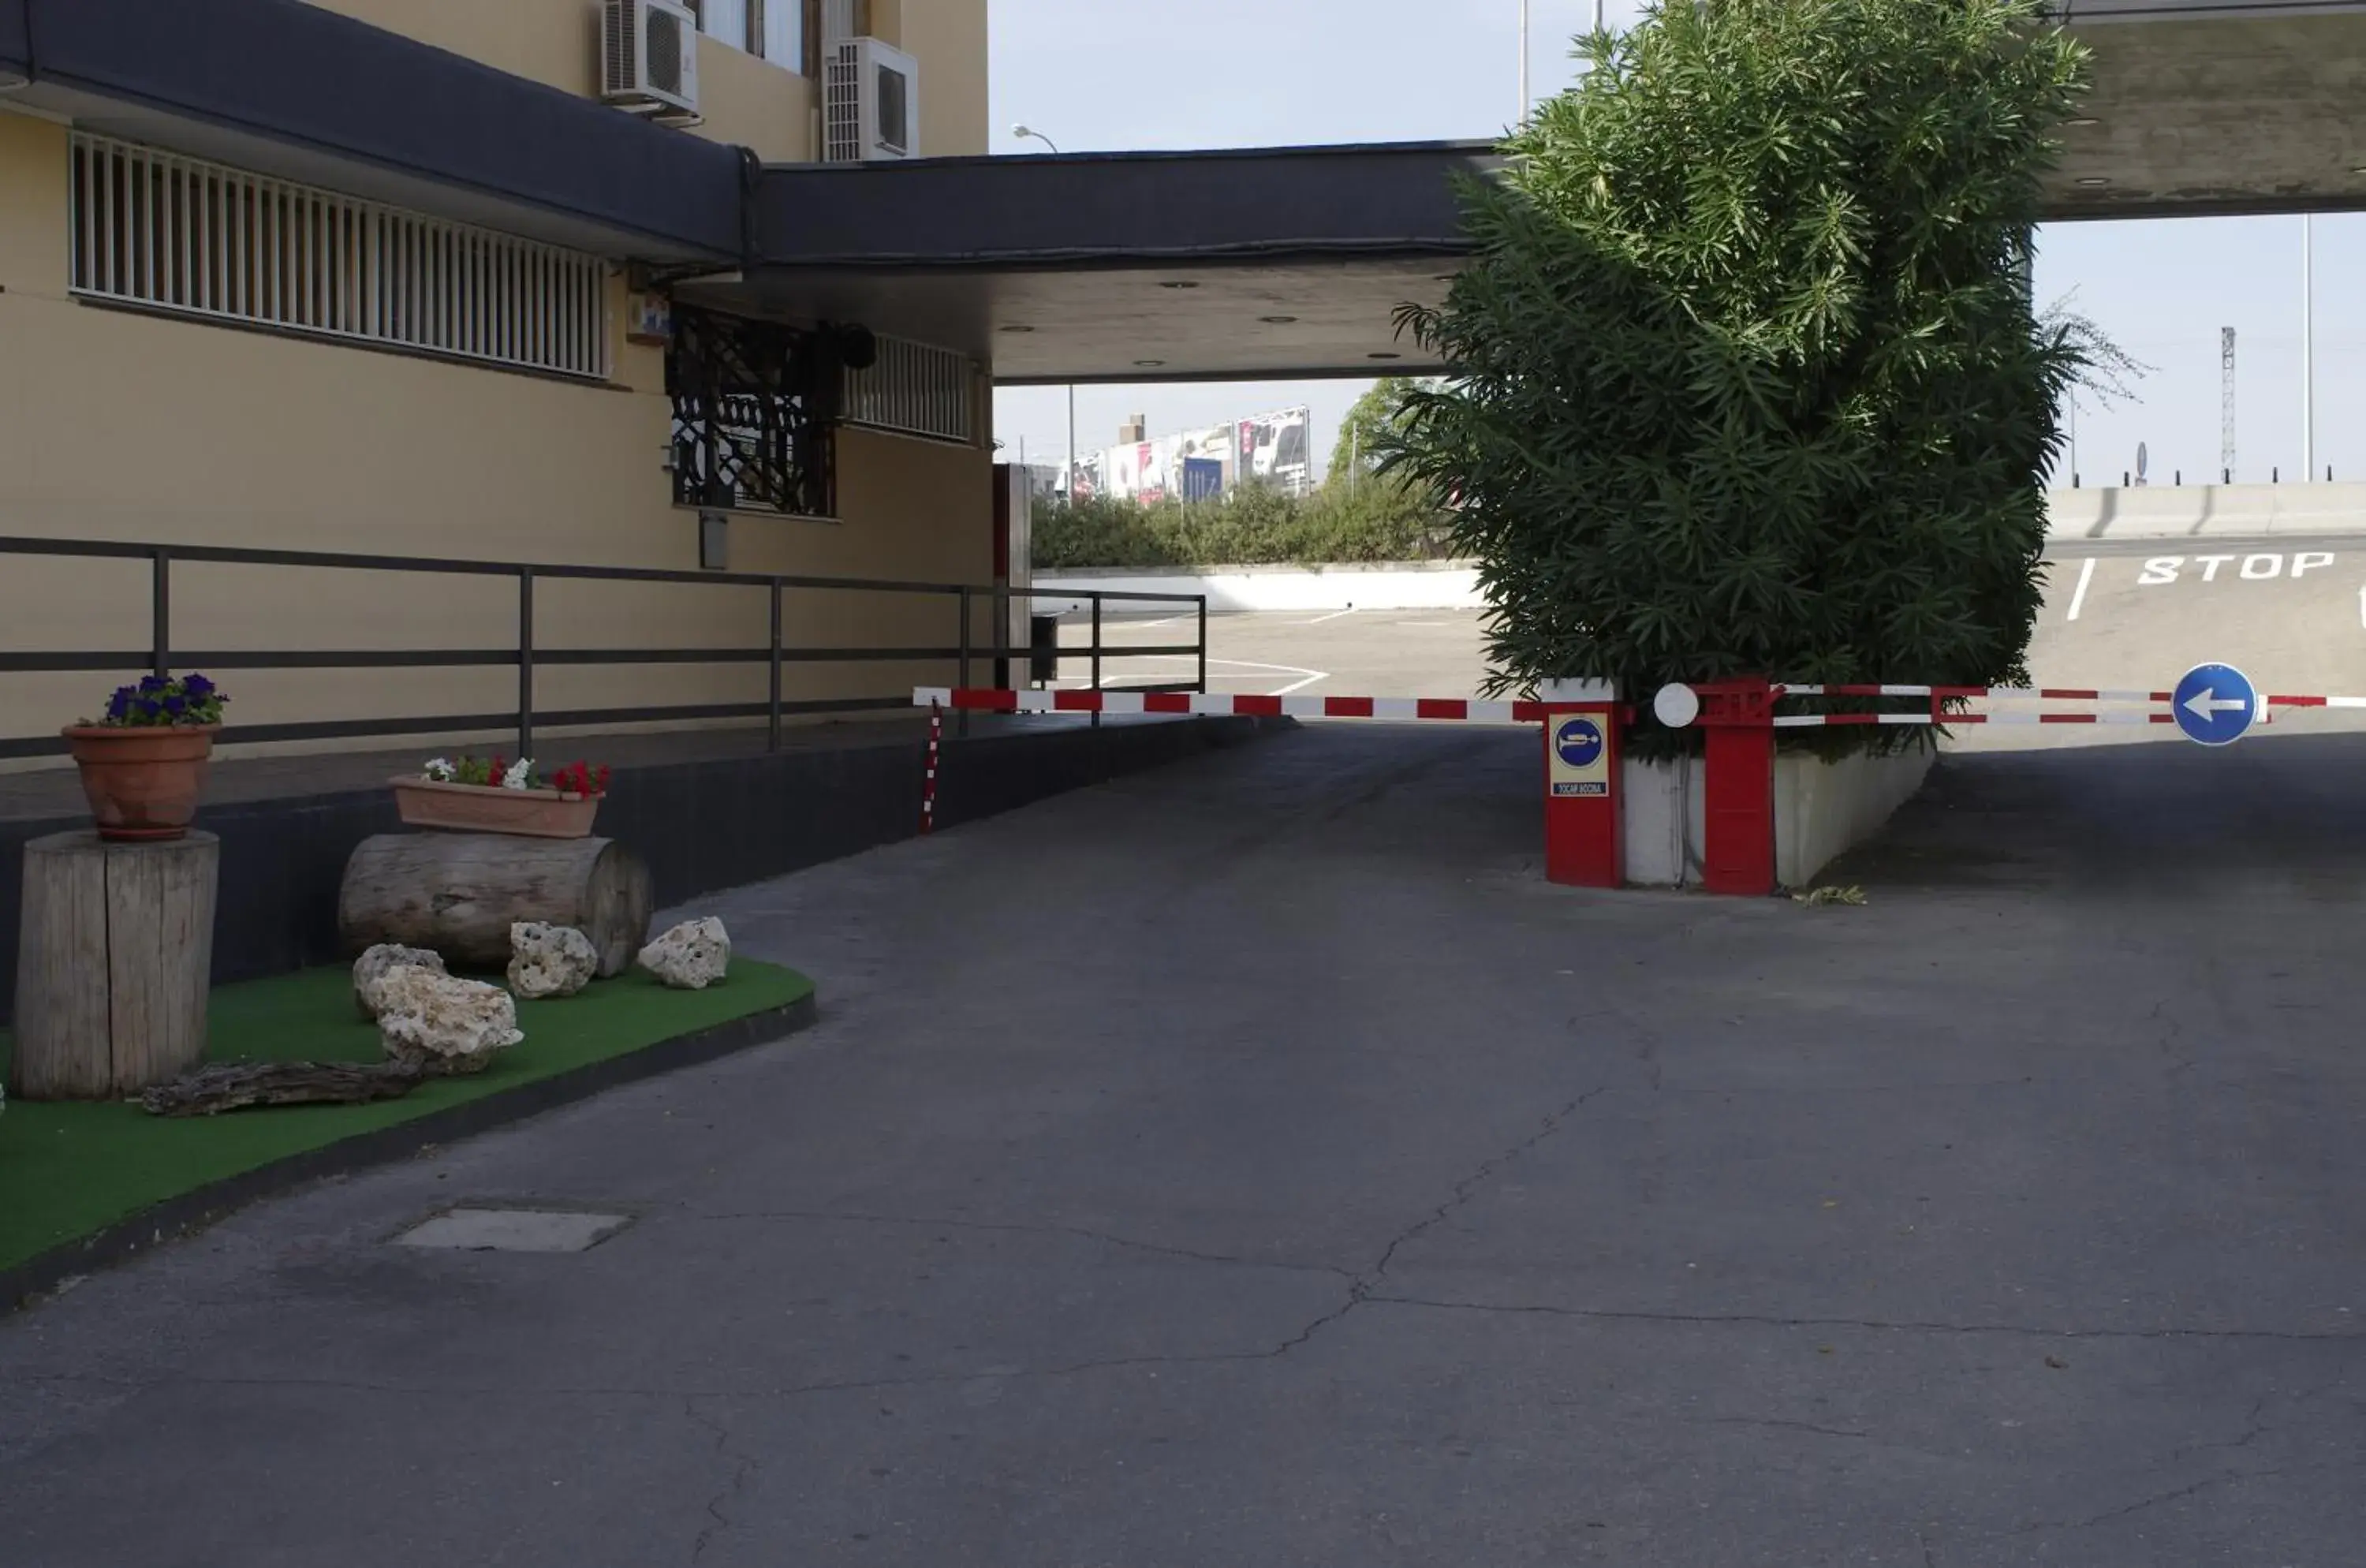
[{"x": 964, "y": 652}]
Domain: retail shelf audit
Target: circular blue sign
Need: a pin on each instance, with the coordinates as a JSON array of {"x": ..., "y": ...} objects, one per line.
[
  {"x": 2215, "y": 704},
  {"x": 1578, "y": 742}
]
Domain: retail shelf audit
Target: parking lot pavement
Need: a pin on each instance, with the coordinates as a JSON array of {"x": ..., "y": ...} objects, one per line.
[
  {"x": 1357, "y": 653},
  {"x": 1255, "y": 1163}
]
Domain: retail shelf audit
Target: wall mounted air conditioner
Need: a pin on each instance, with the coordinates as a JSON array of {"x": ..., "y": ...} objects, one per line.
[
  {"x": 649, "y": 58},
  {"x": 870, "y": 102}
]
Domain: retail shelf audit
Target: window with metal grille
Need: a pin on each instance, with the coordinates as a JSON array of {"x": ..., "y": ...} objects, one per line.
[
  {"x": 752, "y": 407},
  {"x": 916, "y": 389},
  {"x": 199, "y": 239}
]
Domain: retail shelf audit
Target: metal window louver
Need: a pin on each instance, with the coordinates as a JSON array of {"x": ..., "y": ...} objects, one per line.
[
  {"x": 192, "y": 238},
  {"x": 915, "y": 389}
]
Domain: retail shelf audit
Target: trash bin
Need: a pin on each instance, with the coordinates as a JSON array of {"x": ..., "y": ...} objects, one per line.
[{"x": 1043, "y": 649}]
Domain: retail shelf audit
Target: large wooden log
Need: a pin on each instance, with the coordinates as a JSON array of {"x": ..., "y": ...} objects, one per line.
[
  {"x": 234, "y": 1086},
  {"x": 459, "y": 892},
  {"x": 113, "y": 961}
]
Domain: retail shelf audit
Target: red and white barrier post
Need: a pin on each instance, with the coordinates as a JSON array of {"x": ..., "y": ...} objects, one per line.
[{"x": 1582, "y": 837}]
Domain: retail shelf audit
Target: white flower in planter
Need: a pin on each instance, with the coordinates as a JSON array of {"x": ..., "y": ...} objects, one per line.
[
  {"x": 521, "y": 775},
  {"x": 438, "y": 770}
]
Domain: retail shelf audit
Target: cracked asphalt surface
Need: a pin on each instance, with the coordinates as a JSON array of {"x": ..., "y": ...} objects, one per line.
[{"x": 1255, "y": 1163}]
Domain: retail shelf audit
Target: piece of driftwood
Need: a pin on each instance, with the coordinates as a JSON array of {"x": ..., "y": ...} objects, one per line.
[
  {"x": 114, "y": 959},
  {"x": 459, "y": 894},
  {"x": 235, "y": 1086}
]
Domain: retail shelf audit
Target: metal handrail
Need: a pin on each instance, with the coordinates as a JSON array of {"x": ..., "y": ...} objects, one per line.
[{"x": 160, "y": 656}]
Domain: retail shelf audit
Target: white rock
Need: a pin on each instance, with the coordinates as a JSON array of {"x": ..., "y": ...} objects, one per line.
[
  {"x": 550, "y": 961},
  {"x": 382, "y": 960},
  {"x": 444, "y": 1024},
  {"x": 692, "y": 956}
]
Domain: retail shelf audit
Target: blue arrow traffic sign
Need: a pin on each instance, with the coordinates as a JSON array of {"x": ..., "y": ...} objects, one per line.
[
  {"x": 2215, "y": 704},
  {"x": 1579, "y": 741}
]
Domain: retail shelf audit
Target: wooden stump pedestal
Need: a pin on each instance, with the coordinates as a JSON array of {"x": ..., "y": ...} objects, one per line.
[
  {"x": 457, "y": 894},
  {"x": 113, "y": 963}
]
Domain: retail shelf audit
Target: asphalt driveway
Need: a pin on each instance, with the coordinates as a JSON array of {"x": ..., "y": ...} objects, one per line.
[{"x": 1253, "y": 1163}]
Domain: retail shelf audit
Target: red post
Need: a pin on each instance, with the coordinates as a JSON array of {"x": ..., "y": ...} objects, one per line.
[
  {"x": 1582, "y": 834},
  {"x": 1738, "y": 856}
]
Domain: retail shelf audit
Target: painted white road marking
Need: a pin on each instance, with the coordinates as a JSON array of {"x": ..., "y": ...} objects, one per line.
[
  {"x": 1332, "y": 616},
  {"x": 2086, "y": 576},
  {"x": 1307, "y": 677}
]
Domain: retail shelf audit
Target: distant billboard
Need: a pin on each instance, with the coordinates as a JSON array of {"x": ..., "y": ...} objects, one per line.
[{"x": 1273, "y": 450}]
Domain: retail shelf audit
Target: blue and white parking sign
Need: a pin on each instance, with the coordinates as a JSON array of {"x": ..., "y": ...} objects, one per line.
[
  {"x": 2215, "y": 704},
  {"x": 1580, "y": 760},
  {"x": 1579, "y": 742}
]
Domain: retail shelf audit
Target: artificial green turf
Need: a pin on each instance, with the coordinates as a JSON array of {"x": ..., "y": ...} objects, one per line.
[{"x": 68, "y": 1169}]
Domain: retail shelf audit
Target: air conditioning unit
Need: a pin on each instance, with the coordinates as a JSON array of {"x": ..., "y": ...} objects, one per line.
[
  {"x": 870, "y": 102},
  {"x": 649, "y": 58}
]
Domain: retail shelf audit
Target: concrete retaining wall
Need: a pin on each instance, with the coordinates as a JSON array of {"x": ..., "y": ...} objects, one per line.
[
  {"x": 1414, "y": 585},
  {"x": 1821, "y": 809},
  {"x": 2151, "y": 512}
]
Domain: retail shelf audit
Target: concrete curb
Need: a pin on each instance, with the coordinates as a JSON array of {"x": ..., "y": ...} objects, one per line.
[{"x": 25, "y": 1283}]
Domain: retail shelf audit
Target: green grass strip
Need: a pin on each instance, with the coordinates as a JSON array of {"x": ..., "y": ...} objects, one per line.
[{"x": 70, "y": 1169}]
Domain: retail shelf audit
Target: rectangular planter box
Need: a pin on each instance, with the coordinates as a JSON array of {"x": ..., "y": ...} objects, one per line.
[
  {"x": 487, "y": 808},
  {"x": 1821, "y": 809}
]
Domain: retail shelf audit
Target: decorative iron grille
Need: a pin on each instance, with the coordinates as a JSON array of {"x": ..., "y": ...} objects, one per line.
[{"x": 753, "y": 403}]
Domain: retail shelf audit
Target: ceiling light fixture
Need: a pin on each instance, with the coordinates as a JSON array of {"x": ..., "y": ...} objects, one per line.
[
  {"x": 1179, "y": 283},
  {"x": 1148, "y": 364},
  {"x": 2091, "y": 180},
  {"x": 1018, "y": 329},
  {"x": 1277, "y": 321},
  {"x": 1384, "y": 357},
  {"x": 2084, "y": 119}
]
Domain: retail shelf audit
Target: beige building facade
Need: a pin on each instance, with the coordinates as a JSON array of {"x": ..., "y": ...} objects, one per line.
[{"x": 198, "y": 350}]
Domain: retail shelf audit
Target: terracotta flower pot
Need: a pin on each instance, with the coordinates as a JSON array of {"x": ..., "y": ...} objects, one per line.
[
  {"x": 489, "y": 809},
  {"x": 142, "y": 781}
]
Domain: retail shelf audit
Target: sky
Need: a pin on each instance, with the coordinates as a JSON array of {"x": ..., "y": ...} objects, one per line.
[{"x": 1097, "y": 77}]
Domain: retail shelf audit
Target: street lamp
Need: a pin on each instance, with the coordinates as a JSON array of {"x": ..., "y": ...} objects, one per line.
[{"x": 1020, "y": 133}]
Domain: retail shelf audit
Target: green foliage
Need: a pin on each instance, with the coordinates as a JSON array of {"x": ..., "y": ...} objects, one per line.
[
  {"x": 1379, "y": 520},
  {"x": 1747, "y": 375},
  {"x": 1371, "y": 418}
]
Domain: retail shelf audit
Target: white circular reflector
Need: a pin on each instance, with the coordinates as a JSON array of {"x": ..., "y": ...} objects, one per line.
[{"x": 1676, "y": 705}]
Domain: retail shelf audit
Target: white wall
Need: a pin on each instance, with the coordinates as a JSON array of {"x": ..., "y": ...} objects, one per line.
[
  {"x": 1444, "y": 585},
  {"x": 2171, "y": 511},
  {"x": 1821, "y": 809}
]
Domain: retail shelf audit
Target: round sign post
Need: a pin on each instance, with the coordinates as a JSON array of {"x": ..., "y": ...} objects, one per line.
[
  {"x": 2215, "y": 704},
  {"x": 1582, "y": 835}
]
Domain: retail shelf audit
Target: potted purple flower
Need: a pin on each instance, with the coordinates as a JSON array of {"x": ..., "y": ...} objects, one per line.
[{"x": 144, "y": 763}]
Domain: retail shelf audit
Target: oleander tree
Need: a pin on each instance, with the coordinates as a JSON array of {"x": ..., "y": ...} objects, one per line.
[{"x": 1747, "y": 378}]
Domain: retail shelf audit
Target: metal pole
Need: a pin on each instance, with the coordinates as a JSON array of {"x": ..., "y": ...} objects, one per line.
[
  {"x": 962, "y": 724},
  {"x": 772, "y": 717},
  {"x": 525, "y": 662},
  {"x": 160, "y": 618},
  {"x": 2308, "y": 347},
  {"x": 1097, "y": 652},
  {"x": 1072, "y": 443},
  {"x": 1521, "y": 116},
  {"x": 1203, "y": 645}
]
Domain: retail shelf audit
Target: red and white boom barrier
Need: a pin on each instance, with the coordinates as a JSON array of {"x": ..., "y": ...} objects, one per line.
[{"x": 1582, "y": 731}]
